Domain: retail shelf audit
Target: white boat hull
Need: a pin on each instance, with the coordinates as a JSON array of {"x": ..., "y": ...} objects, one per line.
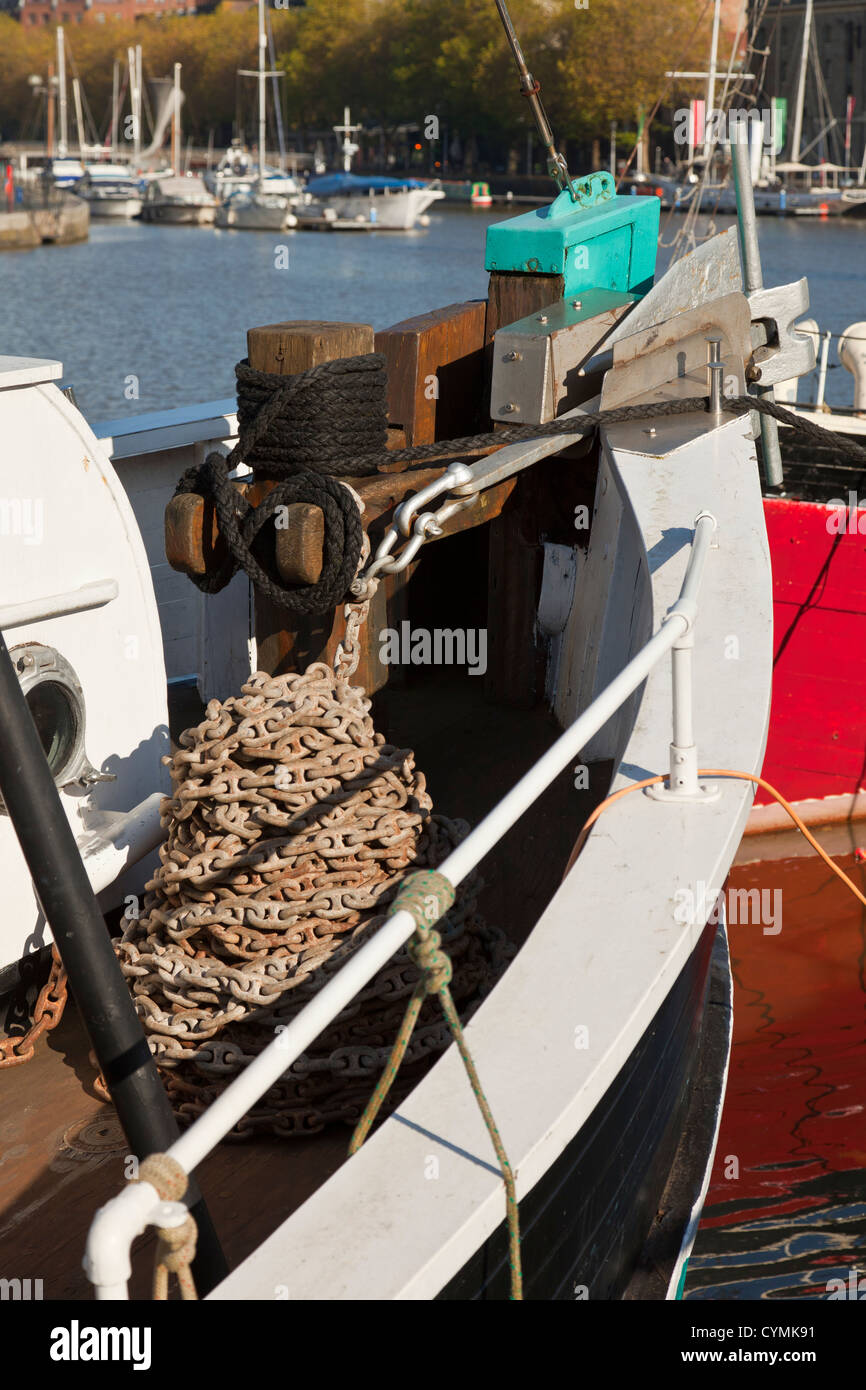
[
  {"x": 256, "y": 217},
  {"x": 67, "y": 523},
  {"x": 393, "y": 212},
  {"x": 181, "y": 214},
  {"x": 115, "y": 208}
]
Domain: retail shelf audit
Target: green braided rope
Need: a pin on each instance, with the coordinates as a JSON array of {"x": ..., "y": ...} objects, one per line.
[{"x": 427, "y": 896}]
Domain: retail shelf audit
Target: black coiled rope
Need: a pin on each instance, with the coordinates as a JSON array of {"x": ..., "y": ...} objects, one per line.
[
  {"x": 332, "y": 420},
  {"x": 333, "y": 417}
]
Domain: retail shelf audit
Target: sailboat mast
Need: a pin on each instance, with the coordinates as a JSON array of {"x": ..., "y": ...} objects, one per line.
[
  {"x": 62, "y": 145},
  {"x": 796, "y": 138},
  {"x": 278, "y": 105},
  {"x": 262, "y": 90},
  {"x": 138, "y": 100},
  {"x": 175, "y": 122},
  {"x": 115, "y": 96},
  {"x": 347, "y": 143},
  {"x": 79, "y": 115},
  {"x": 135, "y": 103},
  {"x": 49, "y": 113},
  {"x": 709, "y": 123}
]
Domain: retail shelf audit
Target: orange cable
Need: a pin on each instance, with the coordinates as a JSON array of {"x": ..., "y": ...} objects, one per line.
[{"x": 720, "y": 772}]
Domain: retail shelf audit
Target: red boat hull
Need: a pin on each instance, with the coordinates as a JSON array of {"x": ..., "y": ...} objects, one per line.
[{"x": 817, "y": 742}]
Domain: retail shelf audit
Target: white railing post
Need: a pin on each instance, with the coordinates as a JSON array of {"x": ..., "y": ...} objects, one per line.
[
  {"x": 822, "y": 370},
  {"x": 682, "y": 783}
]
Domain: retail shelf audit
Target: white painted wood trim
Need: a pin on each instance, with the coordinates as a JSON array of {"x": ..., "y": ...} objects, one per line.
[
  {"x": 167, "y": 429},
  {"x": 28, "y": 371}
]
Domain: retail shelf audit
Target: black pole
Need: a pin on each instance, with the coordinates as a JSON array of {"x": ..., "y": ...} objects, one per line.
[{"x": 67, "y": 899}]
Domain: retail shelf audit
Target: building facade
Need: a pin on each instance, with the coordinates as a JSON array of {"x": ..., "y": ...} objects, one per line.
[{"x": 39, "y": 12}]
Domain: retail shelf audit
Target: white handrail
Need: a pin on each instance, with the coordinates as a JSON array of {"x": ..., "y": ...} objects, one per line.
[
  {"x": 107, "y": 1257},
  {"x": 81, "y": 600}
]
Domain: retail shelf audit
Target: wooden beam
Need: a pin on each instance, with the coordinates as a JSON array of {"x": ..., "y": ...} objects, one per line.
[
  {"x": 299, "y": 544},
  {"x": 285, "y": 644},
  {"x": 515, "y": 651},
  {"x": 436, "y": 372},
  {"x": 291, "y": 347},
  {"x": 512, "y": 295},
  {"x": 193, "y": 544}
]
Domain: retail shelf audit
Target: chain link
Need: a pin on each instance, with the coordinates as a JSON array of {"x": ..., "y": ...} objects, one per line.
[{"x": 47, "y": 1013}]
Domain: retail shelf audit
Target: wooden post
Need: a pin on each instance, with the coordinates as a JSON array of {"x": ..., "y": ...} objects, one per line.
[
  {"x": 285, "y": 349},
  {"x": 436, "y": 372},
  {"x": 512, "y": 295},
  {"x": 288, "y": 348},
  {"x": 515, "y": 654}
]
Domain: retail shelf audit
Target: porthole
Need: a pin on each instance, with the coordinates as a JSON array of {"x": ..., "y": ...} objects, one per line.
[
  {"x": 56, "y": 702},
  {"x": 57, "y": 716}
]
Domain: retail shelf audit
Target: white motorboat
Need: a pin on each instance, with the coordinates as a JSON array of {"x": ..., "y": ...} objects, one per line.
[
  {"x": 255, "y": 210},
  {"x": 110, "y": 191},
  {"x": 182, "y": 200},
  {"x": 342, "y": 199}
]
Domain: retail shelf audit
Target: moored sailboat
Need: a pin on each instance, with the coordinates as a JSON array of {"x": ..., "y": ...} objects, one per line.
[{"x": 258, "y": 208}]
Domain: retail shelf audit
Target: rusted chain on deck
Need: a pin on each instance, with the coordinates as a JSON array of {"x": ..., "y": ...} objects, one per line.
[
  {"x": 290, "y": 829},
  {"x": 47, "y": 1013}
]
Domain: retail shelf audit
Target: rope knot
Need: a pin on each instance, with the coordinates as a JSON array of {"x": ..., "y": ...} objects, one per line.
[
  {"x": 426, "y": 895},
  {"x": 177, "y": 1245},
  {"x": 165, "y": 1174},
  {"x": 175, "y": 1249},
  {"x": 435, "y": 964}
]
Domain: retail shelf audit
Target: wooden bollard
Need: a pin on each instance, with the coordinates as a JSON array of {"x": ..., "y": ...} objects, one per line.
[
  {"x": 284, "y": 349},
  {"x": 192, "y": 542}
]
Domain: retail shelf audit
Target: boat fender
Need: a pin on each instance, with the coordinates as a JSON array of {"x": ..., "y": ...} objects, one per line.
[{"x": 852, "y": 354}]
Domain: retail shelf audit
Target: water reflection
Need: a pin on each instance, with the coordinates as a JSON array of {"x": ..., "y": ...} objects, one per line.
[{"x": 786, "y": 1209}]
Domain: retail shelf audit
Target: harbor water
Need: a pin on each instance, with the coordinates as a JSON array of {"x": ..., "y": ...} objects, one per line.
[
  {"x": 785, "y": 1215},
  {"x": 147, "y": 317}
]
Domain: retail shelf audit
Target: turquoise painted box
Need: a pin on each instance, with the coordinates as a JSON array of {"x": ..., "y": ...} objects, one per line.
[{"x": 609, "y": 246}]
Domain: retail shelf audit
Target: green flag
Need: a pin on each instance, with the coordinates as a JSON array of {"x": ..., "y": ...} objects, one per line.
[{"x": 780, "y": 119}]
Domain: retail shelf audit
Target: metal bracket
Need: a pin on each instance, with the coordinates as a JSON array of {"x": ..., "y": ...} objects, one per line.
[
  {"x": 595, "y": 188},
  {"x": 536, "y": 360},
  {"x": 670, "y": 359},
  {"x": 781, "y": 353}
]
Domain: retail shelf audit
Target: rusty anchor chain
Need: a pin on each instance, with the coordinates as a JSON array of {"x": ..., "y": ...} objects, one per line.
[
  {"x": 289, "y": 830},
  {"x": 47, "y": 1013}
]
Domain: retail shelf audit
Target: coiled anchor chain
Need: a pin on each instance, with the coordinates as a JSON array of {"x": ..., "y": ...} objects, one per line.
[{"x": 290, "y": 828}]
